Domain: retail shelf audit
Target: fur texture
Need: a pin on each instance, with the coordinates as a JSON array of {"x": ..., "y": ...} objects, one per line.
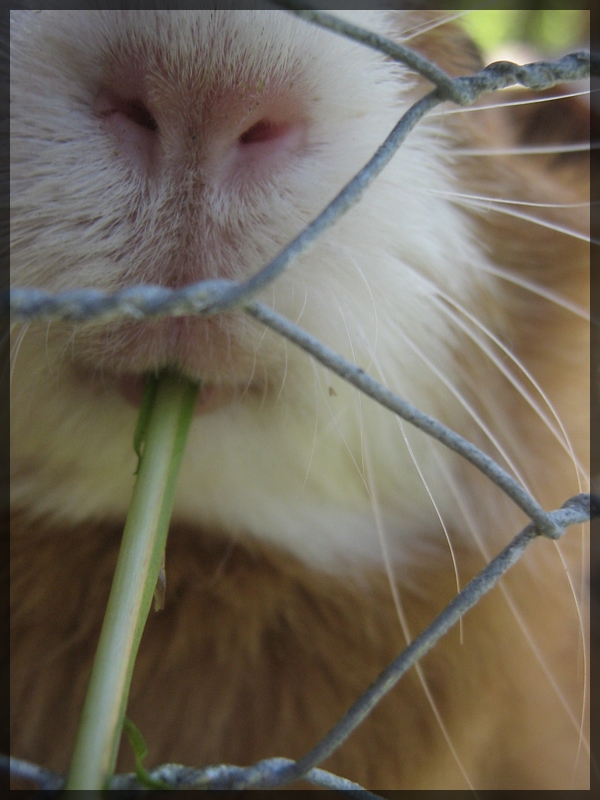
[{"x": 169, "y": 147}]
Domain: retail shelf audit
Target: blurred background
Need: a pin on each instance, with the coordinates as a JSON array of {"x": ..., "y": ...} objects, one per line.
[
  {"x": 526, "y": 35},
  {"x": 550, "y": 32}
]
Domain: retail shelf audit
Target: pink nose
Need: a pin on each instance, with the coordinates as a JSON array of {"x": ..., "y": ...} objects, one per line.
[{"x": 233, "y": 133}]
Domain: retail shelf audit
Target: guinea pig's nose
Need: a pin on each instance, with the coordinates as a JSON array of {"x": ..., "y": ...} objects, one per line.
[{"x": 232, "y": 132}]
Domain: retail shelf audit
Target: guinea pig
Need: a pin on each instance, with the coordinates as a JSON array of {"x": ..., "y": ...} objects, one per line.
[{"x": 314, "y": 533}]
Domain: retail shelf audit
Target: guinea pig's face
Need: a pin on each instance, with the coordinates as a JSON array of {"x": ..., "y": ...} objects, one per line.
[
  {"x": 172, "y": 147},
  {"x": 169, "y": 147}
]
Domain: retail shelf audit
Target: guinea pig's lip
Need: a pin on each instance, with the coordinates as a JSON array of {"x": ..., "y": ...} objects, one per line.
[{"x": 212, "y": 395}]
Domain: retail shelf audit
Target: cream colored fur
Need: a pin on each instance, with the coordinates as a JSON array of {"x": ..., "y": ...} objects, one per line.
[{"x": 292, "y": 476}]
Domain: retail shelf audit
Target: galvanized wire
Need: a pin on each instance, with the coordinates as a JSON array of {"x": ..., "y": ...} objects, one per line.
[
  {"x": 212, "y": 297},
  {"x": 176, "y": 776}
]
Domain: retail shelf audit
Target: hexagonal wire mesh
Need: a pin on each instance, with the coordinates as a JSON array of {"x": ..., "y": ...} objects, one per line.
[{"x": 212, "y": 297}]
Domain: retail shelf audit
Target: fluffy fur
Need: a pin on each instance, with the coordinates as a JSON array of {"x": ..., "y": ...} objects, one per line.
[{"x": 170, "y": 147}]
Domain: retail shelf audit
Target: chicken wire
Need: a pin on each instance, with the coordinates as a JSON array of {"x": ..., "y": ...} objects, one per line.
[{"x": 215, "y": 296}]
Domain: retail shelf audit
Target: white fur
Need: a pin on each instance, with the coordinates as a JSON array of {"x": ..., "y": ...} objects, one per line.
[{"x": 287, "y": 462}]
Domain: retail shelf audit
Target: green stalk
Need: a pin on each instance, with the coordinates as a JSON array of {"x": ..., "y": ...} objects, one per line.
[{"x": 166, "y": 415}]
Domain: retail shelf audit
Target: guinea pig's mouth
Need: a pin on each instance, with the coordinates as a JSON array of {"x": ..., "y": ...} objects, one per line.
[
  {"x": 116, "y": 361},
  {"x": 130, "y": 387},
  {"x": 211, "y": 396}
]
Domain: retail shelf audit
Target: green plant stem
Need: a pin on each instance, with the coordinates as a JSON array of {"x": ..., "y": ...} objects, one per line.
[{"x": 137, "y": 570}]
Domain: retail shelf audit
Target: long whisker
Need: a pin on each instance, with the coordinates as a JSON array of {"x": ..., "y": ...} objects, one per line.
[
  {"x": 431, "y": 25},
  {"x": 402, "y": 617},
  {"x": 301, "y": 312},
  {"x": 325, "y": 397},
  {"x": 15, "y": 350},
  {"x": 582, "y": 738},
  {"x": 529, "y": 150},
  {"x": 537, "y": 289},
  {"x": 539, "y": 656},
  {"x": 359, "y": 396},
  {"x": 69, "y": 343},
  {"x": 563, "y": 440},
  {"x": 500, "y": 206},
  {"x": 467, "y": 407},
  {"x": 316, "y": 428},
  {"x": 504, "y": 201},
  {"x": 254, "y": 365},
  {"x": 374, "y": 307},
  {"x": 285, "y": 370},
  {"x": 423, "y": 480},
  {"x": 47, "y": 345},
  {"x": 507, "y": 104}
]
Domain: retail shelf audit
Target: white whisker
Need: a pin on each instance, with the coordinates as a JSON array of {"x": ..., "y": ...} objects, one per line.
[
  {"x": 504, "y": 201},
  {"x": 15, "y": 349},
  {"x": 304, "y": 302},
  {"x": 525, "y": 102},
  {"x": 500, "y": 206},
  {"x": 563, "y": 440},
  {"x": 576, "y": 147},
  {"x": 47, "y": 345},
  {"x": 467, "y": 407},
  {"x": 359, "y": 396},
  {"x": 254, "y": 364},
  {"x": 537, "y": 289},
  {"x": 423, "y": 480},
  {"x": 373, "y": 305},
  {"x": 582, "y": 738},
  {"x": 285, "y": 370},
  {"x": 400, "y": 611},
  {"x": 425, "y": 27},
  {"x": 68, "y": 344},
  {"x": 525, "y": 629},
  {"x": 316, "y": 427}
]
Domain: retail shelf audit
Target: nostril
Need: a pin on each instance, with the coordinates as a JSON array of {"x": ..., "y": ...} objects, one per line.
[
  {"x": 132, "y": 126},
  {"x": 133, "y": 109},
  {"x": 264, "y": 131},
  {"x": 269, "y": 144},
  {"x": 136, "y": 111}
]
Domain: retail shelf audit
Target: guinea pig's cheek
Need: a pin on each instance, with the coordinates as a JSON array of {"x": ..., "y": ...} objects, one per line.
[{"x": 132, "y": 126}]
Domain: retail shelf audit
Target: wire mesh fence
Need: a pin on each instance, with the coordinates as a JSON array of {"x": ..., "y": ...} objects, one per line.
[{"x": 216, "y": 296}]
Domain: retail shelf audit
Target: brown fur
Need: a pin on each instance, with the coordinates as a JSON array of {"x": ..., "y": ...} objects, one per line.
[
  {"x": 255, "y": 655},
  {"x": 277, "y": 656}
]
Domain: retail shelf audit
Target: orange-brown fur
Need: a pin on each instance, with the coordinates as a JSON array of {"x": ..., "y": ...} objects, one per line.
[
  {"x": 278, "y": 654},
  {"x": 256, "y": 655}
]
